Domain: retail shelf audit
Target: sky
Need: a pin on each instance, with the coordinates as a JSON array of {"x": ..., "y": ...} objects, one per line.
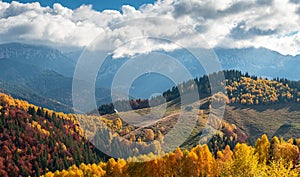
[
  {"x": 98, "y": 5},
  {"x": 272, "y": 24}
]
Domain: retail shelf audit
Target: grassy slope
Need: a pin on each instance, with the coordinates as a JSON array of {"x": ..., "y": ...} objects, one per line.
[
  {"x": 254, "y": 120},
  {"x": 143, "y": 119},
  {"x": 274, "y": 120}
]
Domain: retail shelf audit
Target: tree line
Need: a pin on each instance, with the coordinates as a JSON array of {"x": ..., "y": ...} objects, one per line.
[
  {"x": 267, "y": 158},
  {"x": 241, "y": 88}
]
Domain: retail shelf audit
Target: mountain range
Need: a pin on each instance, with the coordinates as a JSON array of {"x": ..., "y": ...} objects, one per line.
[
  {"x": 43, "y": 75},
  {"x": 260, "y": 62}
]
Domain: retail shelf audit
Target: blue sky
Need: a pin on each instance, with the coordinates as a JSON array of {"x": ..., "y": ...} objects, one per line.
[{"x": 98, "y": 5}]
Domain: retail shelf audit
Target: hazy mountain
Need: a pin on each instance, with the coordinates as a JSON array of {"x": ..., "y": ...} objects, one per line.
[
  {"x": 47, "y": 72},
  {"x": 256, "y": 61},
  {"x": 37, "y": 57},
  {"x": 148, "y": 84},
  {"x": 39, "y": 74},
  {"x": 24, "y": 92},
  {"x": 260, "y": 62}
]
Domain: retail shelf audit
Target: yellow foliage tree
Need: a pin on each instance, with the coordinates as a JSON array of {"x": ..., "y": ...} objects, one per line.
[
  {"x": 244, "y": 162},
  {"x": 284, "y": 150},
  {"x": 189, "y": 167},
  {"x": 149, "y": 135},
  {"x": 173, "y": 162},
  {"x": 280, "y": 168},
  {"x": 118, "y": 123},
  {"x": 111, "y": 164},
  {"x": 6, "y": 100},
  {"x": 224, "y": 159},
  {"x": 262, "y": 148}
]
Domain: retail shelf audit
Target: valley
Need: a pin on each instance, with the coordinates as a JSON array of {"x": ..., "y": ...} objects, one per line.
[{"x": 150, "y": 88}]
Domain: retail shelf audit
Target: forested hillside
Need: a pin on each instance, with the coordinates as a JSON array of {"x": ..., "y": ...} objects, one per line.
[
  {"x": 256, "y": 91},
  {"x": 34, "y": 140},
  {"x": 276, "y": 158},
  {"x": 37, "y": 141},
  {"x": 241, "y": 89}
]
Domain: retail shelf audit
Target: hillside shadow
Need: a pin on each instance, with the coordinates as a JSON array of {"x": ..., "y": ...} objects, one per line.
[
  {"x": 261, "y": 108},
  {"x": 283, "y": 129}
]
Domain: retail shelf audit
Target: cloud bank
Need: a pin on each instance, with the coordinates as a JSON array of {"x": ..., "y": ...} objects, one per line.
[{"x": 273, "y": 24}]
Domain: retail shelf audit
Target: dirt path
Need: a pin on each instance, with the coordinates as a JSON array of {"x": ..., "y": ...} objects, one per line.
[{"x": 150, "y": 123}]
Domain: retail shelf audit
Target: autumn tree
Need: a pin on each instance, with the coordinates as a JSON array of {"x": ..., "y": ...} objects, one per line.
[
  {"x": 244, "y": 162},
  {"x": 284, "y": 150},
  {"x": 280, "y": 168},
  {"x": 118, "y": 123},
  {"x": 148, "y": 135},
  {"x": 262, "y": 148},
  {"x": 224, "y": 160}
]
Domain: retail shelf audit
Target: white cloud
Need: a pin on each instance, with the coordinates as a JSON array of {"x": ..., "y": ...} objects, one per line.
[{"x": 272, "y": 24}]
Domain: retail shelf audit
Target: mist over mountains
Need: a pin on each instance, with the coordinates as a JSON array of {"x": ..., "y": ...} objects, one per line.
[
  {"x": 260, "y": 62},
  {"x": 43, "y": 75}
]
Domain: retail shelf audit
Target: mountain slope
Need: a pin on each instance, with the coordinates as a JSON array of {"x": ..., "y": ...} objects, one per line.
[
  {"x": 274, "y": 120},
  {"x": 25, "y": 93},
  {"x": 256, "y": 61},
  {"x": 260, "y": 62},
  {"x": 34, "y": 140},
  {"x": 48, "y": 73},
  {"x": 39, "y": 57},
  {"x": 41, "y": 75}
]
